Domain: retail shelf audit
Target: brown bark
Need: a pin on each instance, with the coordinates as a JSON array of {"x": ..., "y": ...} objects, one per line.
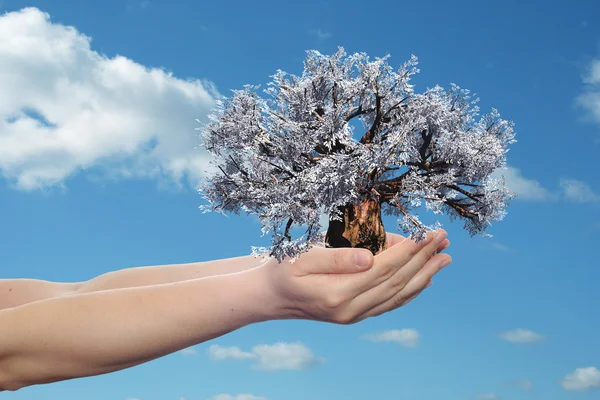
[{"x": 362, "y": 227}]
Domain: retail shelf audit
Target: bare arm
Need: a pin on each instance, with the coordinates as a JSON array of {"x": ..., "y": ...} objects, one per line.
[
  {"x": 85, "y": 334},
  {"x": 16, "y": 292},
  {"x": 171, "y": 273}
]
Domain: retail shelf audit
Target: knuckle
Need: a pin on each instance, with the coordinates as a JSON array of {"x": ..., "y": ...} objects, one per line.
[
  {"x": 399, "y": 300},
  {"x": 399, "y": 281},
  {"x": 345, "y": 318},
  {"x": 334, "y": 300},
  {"x": 387, "y": 271}
]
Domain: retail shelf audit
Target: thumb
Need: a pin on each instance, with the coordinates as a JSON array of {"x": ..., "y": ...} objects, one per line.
[{"x": 342, "y": 260}]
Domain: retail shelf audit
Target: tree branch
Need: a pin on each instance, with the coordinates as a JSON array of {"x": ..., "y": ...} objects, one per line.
[
  {"x": 286, "y": 235},
  {"x": 370, "y": 134},
  {"x": 277, "y": 166},
  {"x": 355, "y": 112}
]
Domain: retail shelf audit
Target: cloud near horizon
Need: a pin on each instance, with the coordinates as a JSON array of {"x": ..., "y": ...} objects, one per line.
[
  {"x": 278, "y": 356},
  {"x": 404, "y": 337},
  {"x": 242, "y": 396},
  {"x": 487, "y": 396},
  {"x": 521, "y": 336}
]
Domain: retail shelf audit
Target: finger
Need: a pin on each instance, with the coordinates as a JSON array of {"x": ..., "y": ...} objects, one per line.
[
  {"x": 444, "y": 245},
  {"x": 407, "y": 258},
  {"x": 368, "y": 289},
  {"x": 425, "y": 274},
  {"x": 390, "y": 260},
  {"x": 343, "y": 260},
  {"x": 407, "y": 272},
  {"x": 392, "y": 288},
  {"x": 381, "y": 308},
  {"x": 394, "y": 238},
  {"x": 402, "y": 297}
]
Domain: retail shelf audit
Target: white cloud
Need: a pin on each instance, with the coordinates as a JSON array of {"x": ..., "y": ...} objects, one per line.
[
  {"x": 190, "y": 351},
  {"x": 321, "y": 34},
  {"x": 487, "y": 396},
  {"x": 521, "y": 336},
  {"x": 278, "y": 356},
  {"x": 582, "y": 379},
  {"x": 217, "y": 352},
  {"x": 577, "y": 191},
  {"x": 291, "y": 356},
  {"x": 243, "y": 396},
  {"x": 589, "y": 99},
  {"x": 526, "y": 189},
  {"x": 404, "y": 337},
  {"x": 65, "y": 109},
  {"x": 593, "y": 76}
]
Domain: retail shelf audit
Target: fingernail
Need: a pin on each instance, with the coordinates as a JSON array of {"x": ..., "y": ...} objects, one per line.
[
  {"x": 445, "y": 263},
  {"x": 362, "y": 259}
]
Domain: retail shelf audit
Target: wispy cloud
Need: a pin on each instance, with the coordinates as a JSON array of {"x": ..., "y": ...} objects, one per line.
[
  {"x": 217, "y": 352},
  {"x": 521, "y": 336},
  {"x": 295, "y": 356},
  {"x": 278, "y": 356},
  {"x": 589, "y": 98},
  {"x": 403, "y": 337},
  {"x": 66, "y": 109},
  {"x": 320, "y": 33},
  {"x": 500, "y": 247},
  {"x": 582, "y": 379},
  {"x": 571, "y": 190},
  {"x": 487, "y": 396},
  {"x": 526, "y": 189},
  {"x": 243, "y": 396},
  {"x": 578, "y": 191}
]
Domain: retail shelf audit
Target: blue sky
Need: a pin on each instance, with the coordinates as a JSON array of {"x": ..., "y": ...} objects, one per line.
[{"x": 107, "y": 182}]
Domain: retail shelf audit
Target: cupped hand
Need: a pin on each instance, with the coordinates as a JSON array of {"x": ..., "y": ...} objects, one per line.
[{"x": 331, "y": 285}]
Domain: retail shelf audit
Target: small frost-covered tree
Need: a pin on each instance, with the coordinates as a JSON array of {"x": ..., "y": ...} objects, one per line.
[{"x": 291, "y": 157}]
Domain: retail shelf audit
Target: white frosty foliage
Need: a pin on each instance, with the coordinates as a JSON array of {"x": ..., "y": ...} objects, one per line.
[{"x": 292, "y": 156}]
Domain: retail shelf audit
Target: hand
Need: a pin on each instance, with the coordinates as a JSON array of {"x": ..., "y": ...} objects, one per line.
[{"x": 326, "y": 284}]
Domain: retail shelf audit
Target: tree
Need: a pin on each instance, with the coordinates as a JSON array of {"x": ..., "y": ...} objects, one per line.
[{"x": 292, "y": 157}]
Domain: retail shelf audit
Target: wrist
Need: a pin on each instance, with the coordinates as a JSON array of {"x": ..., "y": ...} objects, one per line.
[{"x": 253, "y": 295}]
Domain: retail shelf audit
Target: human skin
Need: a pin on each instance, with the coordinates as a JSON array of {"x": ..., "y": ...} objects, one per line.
[
  {"x": 16, "y": 292},
  {"x": 89, "y": 329}
]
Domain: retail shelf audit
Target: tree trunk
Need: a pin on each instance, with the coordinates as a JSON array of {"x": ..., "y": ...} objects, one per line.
[{"x": 361, "y": 227}]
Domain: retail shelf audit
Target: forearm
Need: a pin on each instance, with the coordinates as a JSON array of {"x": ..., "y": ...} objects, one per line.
[
  {"x": 96, "y": 333},
  {"x": 16, "y": 292},
  {"x": 155, "y": 275}
]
